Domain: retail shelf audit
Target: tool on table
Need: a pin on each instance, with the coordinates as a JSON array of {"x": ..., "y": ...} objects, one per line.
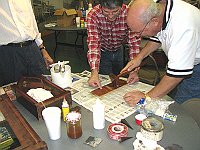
[
  {"x": 126, "y": 123},
  {"x": 122, "y": 139},
  {"x": 115, "y": 79}
]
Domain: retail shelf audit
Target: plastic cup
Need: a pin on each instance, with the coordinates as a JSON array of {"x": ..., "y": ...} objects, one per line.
[
  {"x": 139, "y": 118},
  {"x": 52, "y": 118}
]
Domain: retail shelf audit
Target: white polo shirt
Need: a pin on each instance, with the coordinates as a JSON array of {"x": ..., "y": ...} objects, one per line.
[{"x": 180, "y": 37}]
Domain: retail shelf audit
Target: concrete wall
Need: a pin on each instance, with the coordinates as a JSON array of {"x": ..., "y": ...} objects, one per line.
[{"x": 57, "y": 3}]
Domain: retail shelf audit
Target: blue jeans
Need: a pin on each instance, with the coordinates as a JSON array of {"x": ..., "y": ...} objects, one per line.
[
  {"x": 189, "y": 87},
  {"x": 111, "y": 62}
]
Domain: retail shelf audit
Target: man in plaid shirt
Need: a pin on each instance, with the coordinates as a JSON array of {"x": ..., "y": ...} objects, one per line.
[{"x": 107, "y": 31}]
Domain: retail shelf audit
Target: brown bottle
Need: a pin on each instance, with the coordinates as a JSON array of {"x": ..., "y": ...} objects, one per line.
[{"x": 74, "y": 129}]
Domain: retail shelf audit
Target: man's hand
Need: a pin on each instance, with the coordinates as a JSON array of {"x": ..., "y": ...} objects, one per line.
[
  {"x": 94, "y": 79},
  {"x": 131, "y": 65},
  {"x": 133, "y": 76},
  {"x": 133, "y": 97},
  {"x": 48, "y": 60}
]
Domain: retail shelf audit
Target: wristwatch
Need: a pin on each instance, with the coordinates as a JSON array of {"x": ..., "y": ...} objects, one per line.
[
  {"x": 147, "y": 97},
  {"x": 42, "y": 48}
]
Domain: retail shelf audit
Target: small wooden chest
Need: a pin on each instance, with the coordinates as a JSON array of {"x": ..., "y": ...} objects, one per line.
[{"x": 34, "y": 107}]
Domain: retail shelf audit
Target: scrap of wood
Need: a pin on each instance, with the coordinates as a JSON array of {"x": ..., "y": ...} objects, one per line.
[{"x": 108, "y": 88}]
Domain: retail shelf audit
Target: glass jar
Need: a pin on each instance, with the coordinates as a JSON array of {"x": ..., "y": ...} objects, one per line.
[{"x": 74, "y": 129}]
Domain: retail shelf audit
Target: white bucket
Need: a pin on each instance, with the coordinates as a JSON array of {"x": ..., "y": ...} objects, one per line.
[{"x": 62, "y": 79}]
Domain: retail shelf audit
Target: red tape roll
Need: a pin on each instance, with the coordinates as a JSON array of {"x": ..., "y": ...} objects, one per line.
[{"x": 117, "y": 130}]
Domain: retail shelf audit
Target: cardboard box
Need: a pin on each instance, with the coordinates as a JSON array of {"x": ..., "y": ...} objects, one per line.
[
  {"x": 79, "y": 13},
  {"x": 65, "y": 17}
]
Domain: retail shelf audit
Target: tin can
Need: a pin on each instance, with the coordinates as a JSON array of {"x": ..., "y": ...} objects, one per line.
[{"x": 152, "y": 129}]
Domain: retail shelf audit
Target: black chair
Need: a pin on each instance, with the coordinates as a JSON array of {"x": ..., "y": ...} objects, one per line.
[
  {"x": 192, "y": 107},
  {"x": 149, "y": 71}
]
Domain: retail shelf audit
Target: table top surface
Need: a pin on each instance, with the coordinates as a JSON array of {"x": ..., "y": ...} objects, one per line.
[
  {"x": 69, "y": 28},
  {"x": 184, "y": 132}
]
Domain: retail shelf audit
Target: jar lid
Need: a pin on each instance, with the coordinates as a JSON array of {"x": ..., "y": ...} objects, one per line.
[
  {"x": 73, "y": 116},
  {"x": 152, "y": 124}
]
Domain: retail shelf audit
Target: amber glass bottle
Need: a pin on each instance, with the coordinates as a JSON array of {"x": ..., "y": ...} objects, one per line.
[{"x": 74, "y": 128}]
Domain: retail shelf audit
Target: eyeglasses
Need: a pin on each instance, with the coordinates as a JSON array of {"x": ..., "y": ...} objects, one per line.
[{"x": 140, "y": 32}]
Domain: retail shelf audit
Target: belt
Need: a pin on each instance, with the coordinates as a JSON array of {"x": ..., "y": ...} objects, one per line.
[
  {"x": 104, "y": 49},
  {"x": 21, "y": 44}
]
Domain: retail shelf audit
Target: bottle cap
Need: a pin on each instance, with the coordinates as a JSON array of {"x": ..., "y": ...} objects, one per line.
[
  {"x": 99, "y": 103},
  {"x": 142, "y": 100},
  {"x": 90, "y": 5},
  {"x": 65, "y": 103}
]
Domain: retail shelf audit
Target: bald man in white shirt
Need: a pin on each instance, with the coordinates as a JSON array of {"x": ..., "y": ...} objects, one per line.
[
  {"x": 22, "y": 52},
  {"x": 173, "y": 25}
]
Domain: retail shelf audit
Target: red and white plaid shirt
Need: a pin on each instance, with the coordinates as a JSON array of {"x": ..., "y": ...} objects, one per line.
[{"x": 108, "y": 35}]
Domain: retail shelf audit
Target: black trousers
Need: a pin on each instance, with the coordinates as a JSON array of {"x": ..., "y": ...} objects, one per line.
[{"x": 16, "y": 61}]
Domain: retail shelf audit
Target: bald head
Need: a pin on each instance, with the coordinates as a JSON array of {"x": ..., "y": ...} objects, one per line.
[
  {"x": 144, "y": 9},
  {"x": 141, "y": 12}
]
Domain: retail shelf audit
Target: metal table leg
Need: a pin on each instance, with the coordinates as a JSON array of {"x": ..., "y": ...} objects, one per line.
[{"x": 56, "y": 43}]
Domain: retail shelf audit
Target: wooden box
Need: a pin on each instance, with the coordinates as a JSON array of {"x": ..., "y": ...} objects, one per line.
[
  {"x": 34, "y": 107},
  {"x": 28, "y": 139}
]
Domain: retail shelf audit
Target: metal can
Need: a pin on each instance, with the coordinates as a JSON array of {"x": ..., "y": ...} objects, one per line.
[{"x": 152, "y": 129}]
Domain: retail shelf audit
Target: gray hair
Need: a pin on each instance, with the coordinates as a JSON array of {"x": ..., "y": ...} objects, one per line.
[{"x": 153, "y": 10}]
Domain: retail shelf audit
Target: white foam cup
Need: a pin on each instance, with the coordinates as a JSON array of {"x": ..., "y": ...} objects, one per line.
[{"x": 52, "y": 118}]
